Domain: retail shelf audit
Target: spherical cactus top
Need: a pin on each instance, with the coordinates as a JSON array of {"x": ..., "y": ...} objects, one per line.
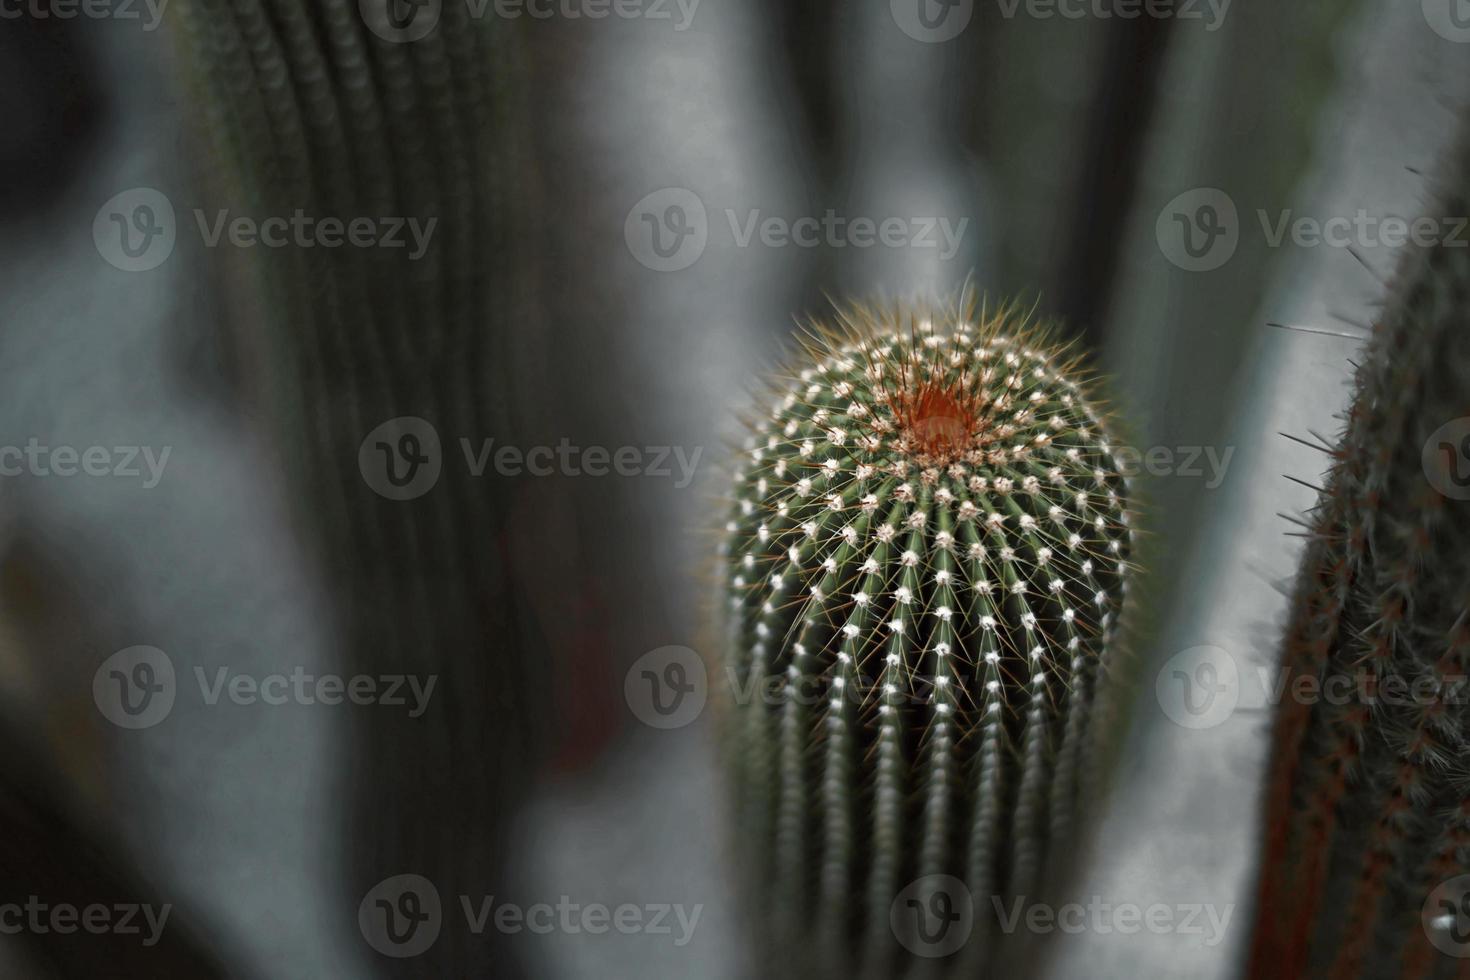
[
  {"x": 972, "y": 429},
  {"x": 982, "y": 419}
]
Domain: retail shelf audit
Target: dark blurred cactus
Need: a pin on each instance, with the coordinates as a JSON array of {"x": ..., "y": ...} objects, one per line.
[
  {"x": 305, "y": 108},
  {"x": 1368, "y": 802},
  {"x": 926, "y": 562}
]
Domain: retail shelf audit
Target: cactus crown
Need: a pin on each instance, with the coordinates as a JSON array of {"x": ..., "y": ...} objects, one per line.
[{"x": 925, "y": 564}]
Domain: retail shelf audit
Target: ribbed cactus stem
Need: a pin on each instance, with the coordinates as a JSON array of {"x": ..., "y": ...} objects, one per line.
[
  {"x": 1368, "y": 807},
  {"x": 306, "y": 110},
  {"x": 926, "y": 564}
]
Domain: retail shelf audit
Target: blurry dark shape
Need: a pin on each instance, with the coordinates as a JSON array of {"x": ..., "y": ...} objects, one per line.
[
  {"x": 53, "y": 854},
  {"x": 1031, "y": 85},
  {"x": 373, "y": 363},
  {"x": 1102, "y": 199},
  {"x": 805, "y": 49},
  {"x": 807, "y": 29},
  {"x": 58, "y": 850},
  {"x": 51, "y": 107}
]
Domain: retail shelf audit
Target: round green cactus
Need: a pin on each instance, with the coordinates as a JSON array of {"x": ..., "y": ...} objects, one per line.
[{"x": 925, "y": 568}]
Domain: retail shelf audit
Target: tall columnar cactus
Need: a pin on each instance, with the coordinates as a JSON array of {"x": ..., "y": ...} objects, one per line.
[
  {"x": 1367, "y": 821},
  {"x": 926, "y": 564},
  {"x": 308, "y": 108}
]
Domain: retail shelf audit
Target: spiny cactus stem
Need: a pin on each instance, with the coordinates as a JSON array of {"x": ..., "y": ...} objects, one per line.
[{"x": 927, "y": 557}]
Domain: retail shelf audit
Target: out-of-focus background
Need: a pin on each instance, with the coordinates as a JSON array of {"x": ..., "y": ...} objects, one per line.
[{"x": 635, "y": 201}]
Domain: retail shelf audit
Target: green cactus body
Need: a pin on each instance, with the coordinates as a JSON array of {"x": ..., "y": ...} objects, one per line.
[
  {"x": 1367, "y": 804},
  {"x": 306, "y": 110},
  {"x": 926, "y": 565}
]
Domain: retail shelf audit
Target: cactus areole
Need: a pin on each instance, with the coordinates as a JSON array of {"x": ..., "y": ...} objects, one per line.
[{"x": 924, "y": 569}]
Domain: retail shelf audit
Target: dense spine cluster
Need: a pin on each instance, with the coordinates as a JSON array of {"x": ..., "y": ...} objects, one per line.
[
  {"x": 1368, "y": 801},
  {"x": 926, "y": 564}
]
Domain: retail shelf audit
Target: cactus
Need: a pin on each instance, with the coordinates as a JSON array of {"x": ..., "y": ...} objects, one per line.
[
  {"x": 925, "y": 569},
  {"x": 305, "y": 108},
  {"x": 1367, "y": 807}
]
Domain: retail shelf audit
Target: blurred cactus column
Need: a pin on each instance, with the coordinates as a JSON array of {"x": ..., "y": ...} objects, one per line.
[
  {"x": 1059, "y": 108},
  {"x": 1364, "y": 871},
  {"x": 368, "y": 365}
]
